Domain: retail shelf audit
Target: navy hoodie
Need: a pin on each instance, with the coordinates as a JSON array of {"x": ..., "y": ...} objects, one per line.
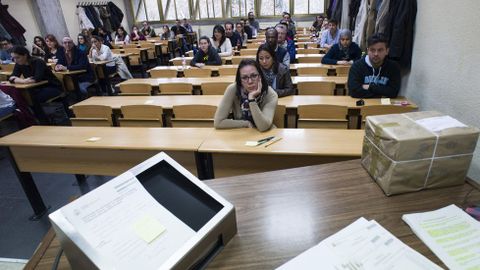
[{"x": 383, "y": 82}]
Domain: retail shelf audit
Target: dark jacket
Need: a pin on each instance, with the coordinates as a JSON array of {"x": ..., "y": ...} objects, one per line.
[
  {"x": 335, "y": 54},
  {"x": 284, "y": 86},
  {"x": 291, "y": 50},
  {"x": 402, "y": 21},
  {"x": 79, "y": 62},
  {"x": 37, "y": 69},
  {"x": 57, "y": 55},
  {"x": 212, "y": 58},
  {"x": 280, "y": 54},
  {"x": 383, "y": 82},
  {"x": 178, "y": 30},
  {"x": 116, "y": 15},
  {"x": 105, "y": 16},
  {"x": 93, "y": 16},
  {"x": 249, "y": 31},
  {"x": 235, "y": 39}
]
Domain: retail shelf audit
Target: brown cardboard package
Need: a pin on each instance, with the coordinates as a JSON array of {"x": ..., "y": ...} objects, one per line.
[{"x": 413, "y": 151}]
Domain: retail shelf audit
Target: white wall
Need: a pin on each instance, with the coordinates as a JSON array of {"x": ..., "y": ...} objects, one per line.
[
  {"x": 22, "y": 11},
  {"x": 445, "y": 63},
  {"x": 69, "y": 8}
]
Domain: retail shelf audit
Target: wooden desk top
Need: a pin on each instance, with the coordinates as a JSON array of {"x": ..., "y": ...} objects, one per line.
[
  {"x": 193, "y": 81},
  {"x": 24, "y": 85},
  {"x": 71, "y": 72},
  {"x": 280, "y": 214},
  {"x": 174, "y": 139},
  {"x": 189, "y": 58},
  {"x": 283, "y": 213},
  {"x": 216, "y": 68},
  {"x": 295, "y": 101},
  {"x": 167, "y": 102},
  {"x": 318, "y": 142},
  {"x": 336, "y": 79},
  {"x": 199, "y": 81}
]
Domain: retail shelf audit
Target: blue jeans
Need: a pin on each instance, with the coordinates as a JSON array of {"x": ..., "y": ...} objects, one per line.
[{"x": 6, "y": 111}]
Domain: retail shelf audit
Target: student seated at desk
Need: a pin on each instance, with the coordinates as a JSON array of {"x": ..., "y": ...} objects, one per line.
[
  {"x": 276, "y": 74},
  {"x": 83, "y": 43},
  {"x": 251, "y": 100},
  {"x": 39, "y": 47},
  {"x": 330, "y": 36},
  {"x": 35, "y": 70},
  {"x": 374, "y": 75},
  {"x": 101, "y": 52},
  {"x": 220, "y": 42},
  {"x": 121, "y": 36},
  {"x": 54, "y": 50},
  {"x": 206, "y": 55},
  {"x": 5, "y": 51},
  {"x": 344, "y": 52},
  {"x": 136, "y": 34},
  {"x": 76, "y": 59}
]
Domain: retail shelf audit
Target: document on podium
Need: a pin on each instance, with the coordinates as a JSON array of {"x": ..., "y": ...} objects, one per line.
[
  {"x": 451, "y": 234},
  {"x": 361, "y": 245},
  {"x": 125, "y": 227}
]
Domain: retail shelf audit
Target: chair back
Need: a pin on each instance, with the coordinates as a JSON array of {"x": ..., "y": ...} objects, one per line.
[
  {"x": 312, "y": 71},
  {"x": 197, "y": 72},
  {"x": 316, "y": 88},
  {"x": 92, "y": 115},
  {"x": 141, "y": 116},
  {"x": 252, "y": 51},
  {"x": 342, "y": 71},
  {"x": 163, "y": 73},
  {"x": 135, "y": 89},
  {"x": 280, "y": 118},
  {"x": 309, "y": 59},
  {"x": 253, "y": 45},
  {"x": 371, "y": 110},
  {"x": 322, "y": 116},
  {"x": 307, "y": 50},
  {"x": 214, "y": 88},
  {"x": 175, "y": 88},
  {"x": 227, "y": 71},
  {"x": 193, "y": 115}
]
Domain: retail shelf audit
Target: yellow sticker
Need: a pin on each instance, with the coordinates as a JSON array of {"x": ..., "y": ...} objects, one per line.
[{"x": 148, "y": 228}]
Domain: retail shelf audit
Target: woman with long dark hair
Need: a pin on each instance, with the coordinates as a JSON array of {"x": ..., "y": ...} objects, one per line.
[
  {"x": 39, "y": 47},
  {"x": 83, "y": 43},
  {"x": 251, "y": 100},
  {"x": 206, "y": 55},
  {"x": 35, "y": 70},
  {"x": 220, "y": 42},
  {"x": 121, "y": 36},
  {"x": 276, "y": 74}
]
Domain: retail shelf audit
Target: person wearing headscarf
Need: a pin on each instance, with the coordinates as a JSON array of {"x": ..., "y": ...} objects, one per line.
[{"x": 344, "y": 52}]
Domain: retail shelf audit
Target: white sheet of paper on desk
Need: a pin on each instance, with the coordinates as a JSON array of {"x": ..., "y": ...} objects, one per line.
[
  {"x": 251, "y": 143},
  {"x": 385, "y": 101},
  {"x": 361, "y": 245},
  {"x": 451, "y": 234},
  {"x": 105, "y": 219},
  {"x": 148, "y": 102},
  {"x": 93, "y": 139},
  {"x": 439, "y": 123}
]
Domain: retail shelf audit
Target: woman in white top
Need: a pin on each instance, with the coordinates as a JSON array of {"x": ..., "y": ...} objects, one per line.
[
  {"x": 122, "y": 37},
  {"x": 220, "y": 42},
  {"x": 101, "y": 52}
]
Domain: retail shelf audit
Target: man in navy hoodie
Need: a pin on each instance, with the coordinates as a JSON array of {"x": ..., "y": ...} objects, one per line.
[{"x": 374, "y": 75}]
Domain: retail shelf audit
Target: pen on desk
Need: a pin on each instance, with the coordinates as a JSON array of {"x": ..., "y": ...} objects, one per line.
[{"x": 272, "y": 141}]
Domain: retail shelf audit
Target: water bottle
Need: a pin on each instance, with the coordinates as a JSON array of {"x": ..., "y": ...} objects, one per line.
[{"x": 184, "y": 62}]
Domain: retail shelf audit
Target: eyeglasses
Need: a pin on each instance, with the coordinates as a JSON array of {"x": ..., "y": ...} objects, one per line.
[{"x": 252, "y": 76}]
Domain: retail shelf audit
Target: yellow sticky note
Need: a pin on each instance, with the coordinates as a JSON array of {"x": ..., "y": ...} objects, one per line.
[
  {"x": 148, "y": 228},
  {"x": 93, "y": 139},
  {"x": 385, "y": 101},
  {"x": 251, "y": 143}
]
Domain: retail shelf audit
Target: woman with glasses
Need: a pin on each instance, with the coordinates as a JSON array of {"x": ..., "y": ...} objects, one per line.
[
  {"x": 251, "y": 100},
  {"x": 276, "y": 74}
]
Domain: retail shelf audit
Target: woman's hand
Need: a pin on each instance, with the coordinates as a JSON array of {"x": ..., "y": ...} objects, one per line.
[{"x": 256, "y": 93}]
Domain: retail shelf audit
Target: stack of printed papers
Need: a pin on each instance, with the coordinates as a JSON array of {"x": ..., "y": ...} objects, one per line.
[
  {"x": 361, "y": 245},
  {"x": 451, "y": 234}
]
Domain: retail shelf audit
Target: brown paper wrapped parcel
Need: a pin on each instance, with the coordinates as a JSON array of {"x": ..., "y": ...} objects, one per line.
[{"x": 414, "y": 151}]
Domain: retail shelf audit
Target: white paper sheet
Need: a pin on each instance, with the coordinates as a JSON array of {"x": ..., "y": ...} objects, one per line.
[
  {"x": 439, "y": 123},
  {"x": 106, "y": 219},
  {"x": 451, "y": 234},
  {"x": 361, "y": 245}
]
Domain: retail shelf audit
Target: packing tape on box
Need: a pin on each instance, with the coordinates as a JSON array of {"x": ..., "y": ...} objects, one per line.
[{"x": 413, "y": 160}]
